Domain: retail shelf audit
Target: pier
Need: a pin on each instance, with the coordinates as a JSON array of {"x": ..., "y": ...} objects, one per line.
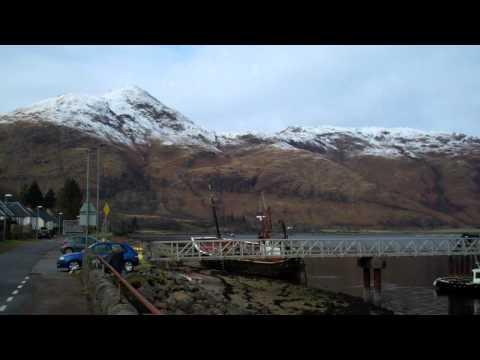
[{"x": 311, "y": 248}]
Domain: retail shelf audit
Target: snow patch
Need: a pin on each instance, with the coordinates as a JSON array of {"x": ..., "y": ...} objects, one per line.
[
  {"x": 284, "y": 146},
  {"x": 129, "y": 115},
  {"x": 132, "y": 116}
]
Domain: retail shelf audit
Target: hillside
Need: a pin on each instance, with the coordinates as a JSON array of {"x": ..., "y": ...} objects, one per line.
[{"x": 157, "y": 164}]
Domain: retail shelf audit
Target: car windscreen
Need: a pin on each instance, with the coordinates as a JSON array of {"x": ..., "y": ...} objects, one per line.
[
  {"x": 118, "y": 247},
  {"x": 101, "y": 249},
  {"x": 81, "y": 240}
]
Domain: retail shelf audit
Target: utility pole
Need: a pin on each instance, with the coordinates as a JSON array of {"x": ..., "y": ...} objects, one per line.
[
  {"x": 87, "y": 202},
  {"x": 98, "y": 188},
  {"x": 88, "y": 198}
]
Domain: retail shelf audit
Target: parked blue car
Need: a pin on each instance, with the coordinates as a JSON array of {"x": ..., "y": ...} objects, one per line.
[{"x": 73, "y": 261}]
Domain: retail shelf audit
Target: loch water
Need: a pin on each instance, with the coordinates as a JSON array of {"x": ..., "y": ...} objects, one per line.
[
  {"x": 407, "y": 285},
  {"x": 407, "y": 282}
]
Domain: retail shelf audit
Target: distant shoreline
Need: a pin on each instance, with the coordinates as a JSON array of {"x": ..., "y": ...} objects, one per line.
[{"x": 328, "y": 231}]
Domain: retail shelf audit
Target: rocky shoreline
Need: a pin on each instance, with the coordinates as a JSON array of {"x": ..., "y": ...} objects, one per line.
[{"x": 194, "y": 290}]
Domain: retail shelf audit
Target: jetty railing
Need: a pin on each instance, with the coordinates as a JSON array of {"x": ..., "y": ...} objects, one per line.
[
  {"x": 215, "y": 249},
  {"x": 136, "y": 294}
]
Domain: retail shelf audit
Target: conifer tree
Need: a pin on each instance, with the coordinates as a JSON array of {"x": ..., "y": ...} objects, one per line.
[
  {"x": 23, "y": 194},
  {"x": 34, "y": 196},
  {"x": 50, "y": 199},
  {"x": 70, "y": 199}
]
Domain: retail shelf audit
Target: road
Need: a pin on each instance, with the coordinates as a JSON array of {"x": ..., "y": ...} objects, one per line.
[{"x": 31, "y": 284}]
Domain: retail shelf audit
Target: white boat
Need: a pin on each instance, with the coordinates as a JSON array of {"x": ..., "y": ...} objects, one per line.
[{"x": 459, "y": 284}]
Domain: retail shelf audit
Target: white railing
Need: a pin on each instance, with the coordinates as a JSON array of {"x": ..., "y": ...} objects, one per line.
[{"x": 214, "y": 249}]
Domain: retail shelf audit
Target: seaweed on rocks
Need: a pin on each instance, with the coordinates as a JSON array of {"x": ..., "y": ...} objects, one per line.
[{"x": 216, "y": 292}]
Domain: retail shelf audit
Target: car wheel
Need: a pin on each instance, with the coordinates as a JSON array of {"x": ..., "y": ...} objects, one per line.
[
  {"x": 128, "y": 266},
  {"x": 68, "y": 251},
  {"x": 73, "y": 265}
]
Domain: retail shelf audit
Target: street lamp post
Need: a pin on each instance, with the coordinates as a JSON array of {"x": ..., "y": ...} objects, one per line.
[
  {"x": 38, "y": 215},
  {"x": 60, "y": 223},
  {"x": 5, "y": 197},
  {"x": 4, "y": 218}
]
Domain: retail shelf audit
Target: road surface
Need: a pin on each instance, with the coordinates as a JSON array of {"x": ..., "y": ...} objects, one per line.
[{"x": 31, "y": 284}]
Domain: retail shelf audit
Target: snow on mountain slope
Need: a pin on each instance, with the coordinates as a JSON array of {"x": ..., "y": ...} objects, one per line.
[
  {"x": 132, "y": 116},
  {"x": 128, "y": 115},
  {"x": 374, "y": 141},
  {"x": 393, "y": 142}
]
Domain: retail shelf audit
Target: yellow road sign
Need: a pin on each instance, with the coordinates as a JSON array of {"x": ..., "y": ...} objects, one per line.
[{"x": 106, "y": 209}]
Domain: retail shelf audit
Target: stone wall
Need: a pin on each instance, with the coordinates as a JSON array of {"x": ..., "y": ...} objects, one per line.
[{"x": 106, "y": 297}]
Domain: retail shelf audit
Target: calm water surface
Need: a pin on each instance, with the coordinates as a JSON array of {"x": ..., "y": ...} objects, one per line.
[{"x": 406, "y": 281}]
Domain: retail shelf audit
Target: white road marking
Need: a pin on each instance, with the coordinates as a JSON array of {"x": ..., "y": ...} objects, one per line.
[
  {"x": 26, "y": 277},
  {"x": 10, "y": 299},
  {"x": 24, "y": 281},
  {"x": 3, "y": 307},
  {"x": 19, "y": 286},
  {"x": 15, "y": 292}
]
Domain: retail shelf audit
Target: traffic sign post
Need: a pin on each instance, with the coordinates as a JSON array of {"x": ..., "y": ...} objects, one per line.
[
  {"x": 88, "y": 215},
  {"x": 106, "y": 209},
  {"x": 106, "y": 212}
]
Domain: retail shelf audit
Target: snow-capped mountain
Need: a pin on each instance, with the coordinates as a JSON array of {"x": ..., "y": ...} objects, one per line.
[
  {"x": 129, "y": 115},
  {"x": 305, "y": 172},
  {"x": 374, "y": 141},
  {"x": 132, "y": 116}
]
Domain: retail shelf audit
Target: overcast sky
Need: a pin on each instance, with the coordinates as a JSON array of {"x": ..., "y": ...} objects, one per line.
[{"x": 264, "y": 88}]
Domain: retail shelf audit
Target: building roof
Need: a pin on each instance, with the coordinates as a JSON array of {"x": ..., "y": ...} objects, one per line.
[
  {"x": 17, "y": 209},
  {"x": 45, "y": 216},
  {"x": 30, "y": 211},
  {"x": 6, "y": 210}
]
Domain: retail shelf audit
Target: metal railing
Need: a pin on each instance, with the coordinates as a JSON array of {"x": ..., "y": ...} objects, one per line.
[
  {"x": 214, "y": 249},
  {"x": 138, "y": 296}
]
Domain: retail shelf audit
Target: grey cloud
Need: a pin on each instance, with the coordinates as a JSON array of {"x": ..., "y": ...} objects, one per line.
[{"x": 265, "y": 88}]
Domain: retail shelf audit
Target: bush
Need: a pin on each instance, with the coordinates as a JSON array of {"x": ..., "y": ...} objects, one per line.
[
  {"x": 18, "y": 232},
  {"x": 120, "y": 228}
]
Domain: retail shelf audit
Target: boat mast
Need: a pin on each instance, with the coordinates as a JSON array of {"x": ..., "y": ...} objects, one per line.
[
  {"x": 268, "y": 224},
  {"x": 266, "y": 219},
  {"x": 214, "y": 211},
  {"x": 284, "y": 228}
]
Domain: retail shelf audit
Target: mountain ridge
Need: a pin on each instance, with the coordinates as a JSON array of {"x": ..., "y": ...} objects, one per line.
[
  {"x": 128, "y": 115},
  {"x": 131, "y": 115},
  {"x": 157, "y": 164}
]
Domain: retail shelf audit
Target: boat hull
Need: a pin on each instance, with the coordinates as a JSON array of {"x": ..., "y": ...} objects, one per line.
[
  {"x": 284, "y": 269},
  {"x": 456, "y": 285}
]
